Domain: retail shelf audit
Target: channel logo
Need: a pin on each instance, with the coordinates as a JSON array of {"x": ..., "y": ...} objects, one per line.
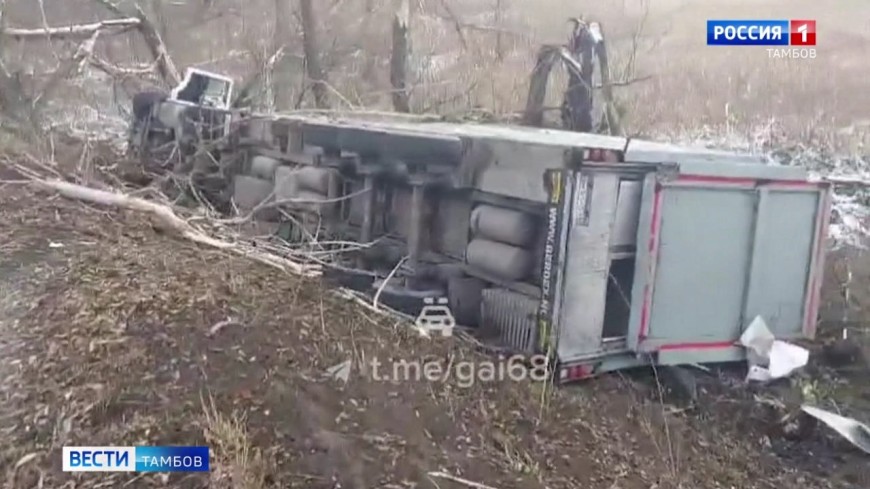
[
  {"x": 761, "y": 32},
  {"x": 135, "y": 459},
  {"x": 802, "y": 32}
]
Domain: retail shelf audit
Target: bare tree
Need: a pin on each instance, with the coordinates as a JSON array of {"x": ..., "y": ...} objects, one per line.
[
  {"x": 21, "y": 102},
  {"x": 161, "y": 21},
  {"x": 165, "y": 66},
  {"x": 311, "y": 47},
  {"x": 13, "y": 101},
  {"x": 281, "y": 93},
  {"x": 499, "y": 36},
  {"x": 399, "y": 58},
  {"x": 371, "y": 61}
]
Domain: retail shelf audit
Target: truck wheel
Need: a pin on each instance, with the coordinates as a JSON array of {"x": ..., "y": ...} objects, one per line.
[
  {"x": 144, "y": 102},
  {"x": 405, "y": 300}
]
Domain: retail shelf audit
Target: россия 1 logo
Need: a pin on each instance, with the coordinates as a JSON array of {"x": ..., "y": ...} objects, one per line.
[
  {"x": 802, "y": 32},
  {"x": 798, "y": 35}
]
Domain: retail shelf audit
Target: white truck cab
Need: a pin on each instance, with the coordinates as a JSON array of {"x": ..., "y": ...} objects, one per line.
[{"x": 205, "y": 89}]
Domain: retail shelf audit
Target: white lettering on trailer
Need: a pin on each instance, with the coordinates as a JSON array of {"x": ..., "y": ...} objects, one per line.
[{"x": 549, "y": 250}]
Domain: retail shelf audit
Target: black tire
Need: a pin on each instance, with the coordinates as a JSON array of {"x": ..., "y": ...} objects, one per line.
[
  {"x": 144, "y": 102},
  {"x": 404, "y": 300}
]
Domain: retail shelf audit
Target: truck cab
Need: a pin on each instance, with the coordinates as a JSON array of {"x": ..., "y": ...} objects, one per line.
[{"x": 196, "y": 110}]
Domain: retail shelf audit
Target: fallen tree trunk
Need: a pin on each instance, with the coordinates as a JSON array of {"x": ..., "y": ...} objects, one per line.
[{"x": 166, "y": 220}]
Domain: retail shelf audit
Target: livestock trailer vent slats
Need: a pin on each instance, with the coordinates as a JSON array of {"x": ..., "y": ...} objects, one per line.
[{"x": 604, "y": 251}]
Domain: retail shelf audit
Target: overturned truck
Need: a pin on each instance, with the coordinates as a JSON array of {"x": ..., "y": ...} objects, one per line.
[{"x": 604, "y": 251}]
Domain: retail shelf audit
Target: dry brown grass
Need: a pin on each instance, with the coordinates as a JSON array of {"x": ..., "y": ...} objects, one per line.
[
  {"x": 119, "y": 297},
  {"x": 238, "y": 464}
]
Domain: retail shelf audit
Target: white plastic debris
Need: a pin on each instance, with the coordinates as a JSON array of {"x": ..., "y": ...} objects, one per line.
[
  {"x": 758, "y": 374},
  {"x": 757, "y": 338},
  {"x": 785, "y": 358},
  {"x": 856, "y": 432},
  {"x": 768, "y": 357}
]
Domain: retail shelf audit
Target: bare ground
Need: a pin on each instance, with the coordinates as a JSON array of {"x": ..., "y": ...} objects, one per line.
[{"x": 106, "y": 339}]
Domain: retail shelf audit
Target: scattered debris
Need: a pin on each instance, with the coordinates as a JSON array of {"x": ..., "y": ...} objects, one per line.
[
  {"x": 857, "y": 433},
  {"x": 25, "y": 459},
  {"x": 769, "y": 358},
  {"x": 460, "y": 480},
  {"x": 221, "y": 325}
]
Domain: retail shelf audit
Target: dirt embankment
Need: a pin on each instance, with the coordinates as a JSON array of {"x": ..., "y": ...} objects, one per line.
[{"x": 112, "y": 333}]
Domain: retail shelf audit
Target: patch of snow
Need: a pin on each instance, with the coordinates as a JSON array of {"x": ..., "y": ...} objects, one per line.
[{"x": 850, "y": 213}]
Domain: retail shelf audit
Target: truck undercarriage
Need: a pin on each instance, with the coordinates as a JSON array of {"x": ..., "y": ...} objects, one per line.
[{"x": 602, "y": 252}]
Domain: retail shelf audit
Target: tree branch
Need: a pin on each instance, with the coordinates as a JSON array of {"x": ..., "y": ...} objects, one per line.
[
  {"x": 457, "y": 24},
  {"x": 119, "y": 71},
  {"x": 243, "y": 95},
  {"x": 165, "y": 66},
  {"x": 67, "y": 69},
  {"x": 71, "y": 31}
]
